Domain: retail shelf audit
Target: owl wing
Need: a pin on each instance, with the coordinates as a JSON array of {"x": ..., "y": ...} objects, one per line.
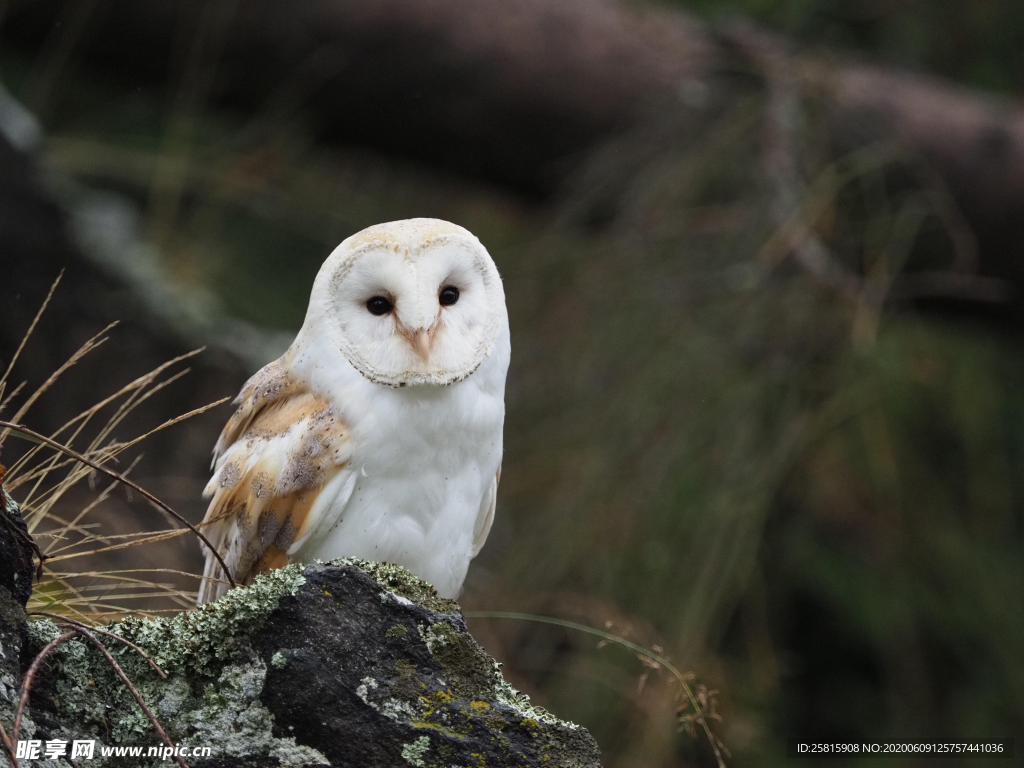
[
  {"x": 485, "y": 518},
  {"x": 278, "y": 451}
]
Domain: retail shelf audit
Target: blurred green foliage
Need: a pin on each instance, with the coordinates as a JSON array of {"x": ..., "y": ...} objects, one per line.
[
  {"x": 812, "y": 500},
  {"x": 978, "y": 42}
]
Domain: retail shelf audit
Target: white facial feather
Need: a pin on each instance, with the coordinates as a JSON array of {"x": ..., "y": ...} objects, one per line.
[
  {"x": 376, "y": 435},
  {"x": 409, "y": 264}
]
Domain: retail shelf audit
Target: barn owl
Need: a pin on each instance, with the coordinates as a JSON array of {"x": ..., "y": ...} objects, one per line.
[{"x": 378, "y": 434}]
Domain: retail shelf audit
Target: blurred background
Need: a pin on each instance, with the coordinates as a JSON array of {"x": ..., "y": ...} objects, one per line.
[{"x": 764, "y": 272}]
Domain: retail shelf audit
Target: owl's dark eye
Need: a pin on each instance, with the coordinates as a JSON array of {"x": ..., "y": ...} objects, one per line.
[
  {"x": 379, "y": 305},
  {"x": 449, "y": 295}
]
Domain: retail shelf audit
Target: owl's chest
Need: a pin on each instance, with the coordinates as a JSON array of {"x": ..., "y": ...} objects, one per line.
[
  {"x": 420, "y": 482},
  {"x": 432, "y": 443},
  {"x": 423, "y": 461},
  {"x": 421, "y": 473}
]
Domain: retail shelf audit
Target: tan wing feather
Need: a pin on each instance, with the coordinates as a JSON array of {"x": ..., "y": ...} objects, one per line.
[
  {"x": 271, "y": 384},
  {"x": 283, "y": 444}
]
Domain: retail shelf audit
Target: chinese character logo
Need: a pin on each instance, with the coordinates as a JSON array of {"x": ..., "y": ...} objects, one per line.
[
  {"x": 56, "y": 748},
  {"x": 83, "y": 749},
  {"x": 29, "y": 750}
]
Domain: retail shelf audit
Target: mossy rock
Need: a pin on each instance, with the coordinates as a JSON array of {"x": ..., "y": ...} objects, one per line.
[
  {"x": 348, "y": 663},
  {"x": 16, "y": 570},
  {"x": 378, "y": 695}
]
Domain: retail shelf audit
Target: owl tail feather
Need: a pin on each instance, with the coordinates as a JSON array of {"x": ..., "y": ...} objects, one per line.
[{"x": 214, "y": 584}]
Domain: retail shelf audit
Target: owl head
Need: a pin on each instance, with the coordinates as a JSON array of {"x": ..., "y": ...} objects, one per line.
[{"x": 414, "y": 302}]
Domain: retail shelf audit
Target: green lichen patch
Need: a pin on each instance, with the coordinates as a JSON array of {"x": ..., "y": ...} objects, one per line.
[
  {"x": 396, "y": 579},
  {"x": 397, "y": 630},
  {"x": 78, "y": 691},
  {"x": 231, "y": 716},
  {"x": 413, "y": 753},
  {"x": 202, "y": 639},
  {"x": 520, "y": 702},
  {"x": 279, "y": 661},
  {"x": 407, "y": 684},
  {"x": 215, "y": 680},
  {"x": 467, "y": 668},
  {"x": 10, "y": 506},
  {"x": 476, "y": 677}
]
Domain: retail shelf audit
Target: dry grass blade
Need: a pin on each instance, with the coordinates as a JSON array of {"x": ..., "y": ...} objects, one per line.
[
  {"x": 116, "y": 584},
  {"x": 82, "y": 351},
  {"x": 45, "y": 480},
  {"x": 100, "y": 612},
  {"x": 5, "y": 401},
  {"x": 23, "y": 430},
  {"x": 139, "y": 383},
  {"x": 651, "y": 660},
  {"x": 131, "y": 570},
  {"x": 118, "y": 612},
  {"x": 28, "y": 333},
  {"x": 149, "y": 537},
  {"x": 131, "y": 389},
  {"x": 68, "y": 589},
  {"x": 171, "y": 422},
  {"x": 68, "y": 526},
  {"x": 89, "y": 601},
  {"x": 139, "y": 537}
]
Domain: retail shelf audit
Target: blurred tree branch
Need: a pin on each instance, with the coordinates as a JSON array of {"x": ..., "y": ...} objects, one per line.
[{"x": 517, "y": 92}]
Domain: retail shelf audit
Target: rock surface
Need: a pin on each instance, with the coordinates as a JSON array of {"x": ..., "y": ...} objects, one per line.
[
  {"x": 349, "y": 664},
  {"x": 15, "y": 586}
]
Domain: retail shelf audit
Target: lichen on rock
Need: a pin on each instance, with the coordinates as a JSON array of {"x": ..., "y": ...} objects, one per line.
[
  {"x": 202, "y": 639},
  {"x": 347, "y": 663},
  {"x": 410, "y": 684},
  {"x": 212, "y": 696}
]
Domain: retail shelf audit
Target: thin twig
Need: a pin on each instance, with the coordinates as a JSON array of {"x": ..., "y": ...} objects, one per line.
[
  {"x": 138, "y": 697},
  {"x": 129, "y": 643},
  {"x": 8, "y": 747},
  {"x": 117, "y": 476},
  {"x": 26, "y": 684}
]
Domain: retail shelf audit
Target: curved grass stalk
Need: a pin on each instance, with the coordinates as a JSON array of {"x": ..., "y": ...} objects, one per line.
[
  {"x": 32, "y": 434},
  {"x": 716, "y": 745}
]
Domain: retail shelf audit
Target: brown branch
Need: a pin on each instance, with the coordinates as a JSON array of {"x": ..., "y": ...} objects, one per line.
[
  {"x": 538, "y": 79},
  {"x": 26, "y": 684},
  {"x": 129, "y": 643},
  {"x": 79, "y": 629},
  {"x": 138, "y": 697},
  {"x": 120, "y": 478},
  {"x": 8, "y": 747}
]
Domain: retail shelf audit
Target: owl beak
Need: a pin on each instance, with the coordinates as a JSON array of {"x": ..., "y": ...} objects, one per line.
[{"x": 421, "y": 344}]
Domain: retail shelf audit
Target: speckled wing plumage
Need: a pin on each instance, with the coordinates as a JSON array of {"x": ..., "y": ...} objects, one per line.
[{"x": 274, "y": 457}]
